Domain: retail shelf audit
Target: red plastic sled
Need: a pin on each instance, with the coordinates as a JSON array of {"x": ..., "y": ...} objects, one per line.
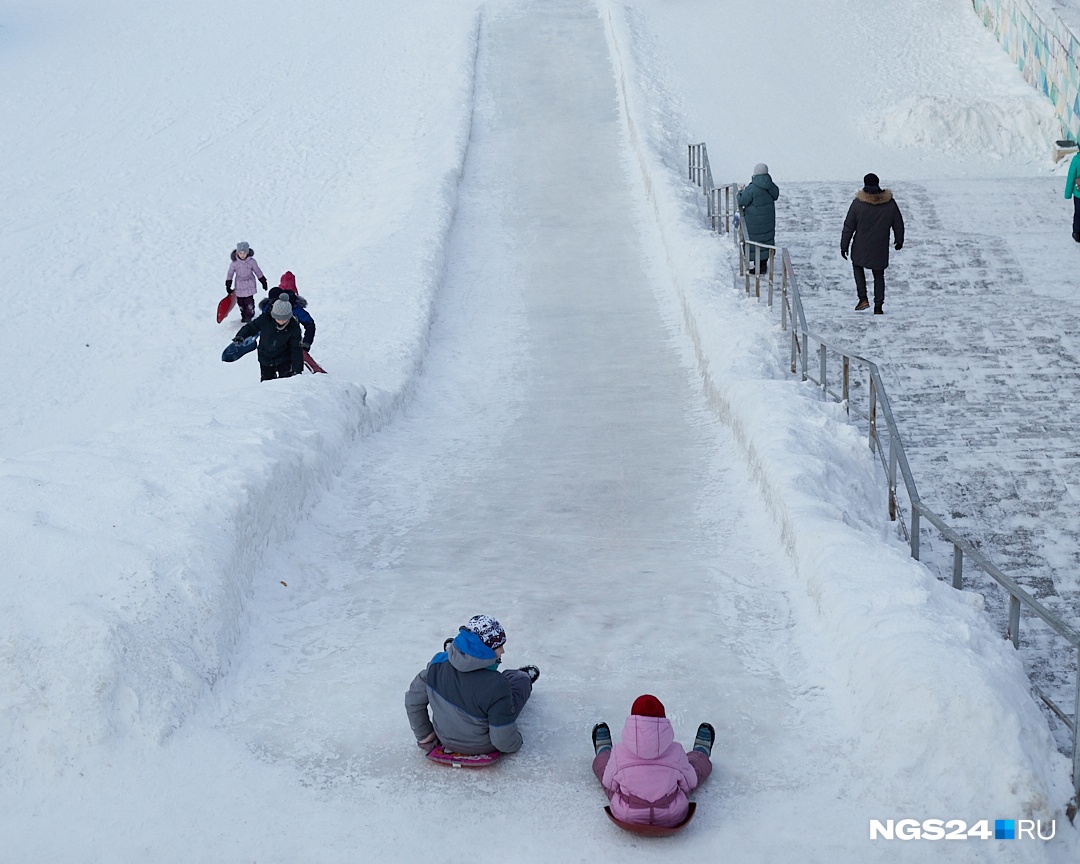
[
  {"x": 653, "y": 830},
  {"x": 461, "y": 760},
  {"x": 225, "y": 306},
  {"x": 311, "y": 364}
]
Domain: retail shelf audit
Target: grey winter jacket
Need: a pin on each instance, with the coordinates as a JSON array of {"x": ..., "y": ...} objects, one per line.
[
  {"x": 759, "y": 209},
  {"x": 472, "y": 706},
  {"x": 866, "y": 228}
]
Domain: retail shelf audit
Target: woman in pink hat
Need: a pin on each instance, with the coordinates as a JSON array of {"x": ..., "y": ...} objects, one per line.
[{"x": 647, "y": 776}]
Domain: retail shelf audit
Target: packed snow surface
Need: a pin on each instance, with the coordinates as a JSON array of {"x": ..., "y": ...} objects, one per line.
[{"x": 544, "y": 402}]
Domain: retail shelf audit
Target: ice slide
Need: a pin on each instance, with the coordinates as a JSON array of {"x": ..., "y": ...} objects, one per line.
[{"x": 558, "y": 467}]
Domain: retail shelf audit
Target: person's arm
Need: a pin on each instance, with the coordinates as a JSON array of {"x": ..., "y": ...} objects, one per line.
[
  {"x": 898, "y": 227},
  {"x": 745, "y": 196},
  {"x": 416, "y": 706},
  {"x": 849, "y": 230},
  {"x": 259, "y": 273},
  {"x": 229, "y": 276},
  {"x": 1070, "y": 181},
  {"x": 308, "y": 323},
  {"x": 502, "y": 724},
  {"x": 249, "y": 329}
]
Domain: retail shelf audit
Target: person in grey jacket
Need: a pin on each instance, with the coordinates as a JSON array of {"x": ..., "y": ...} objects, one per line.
[
  {"x": 870, "y": 218},
  {"x": 758, "y": 203},
  {"x": 474, "y": 707}
]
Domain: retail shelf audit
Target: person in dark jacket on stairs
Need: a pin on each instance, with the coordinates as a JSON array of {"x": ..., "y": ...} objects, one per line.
[
  {"x": 870, "y": 218},
  {"x": 280, "y": 354},
  {"x": 757, "y": 200}
]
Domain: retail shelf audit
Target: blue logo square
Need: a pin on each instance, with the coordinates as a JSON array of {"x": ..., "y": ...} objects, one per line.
[{"x": 1004, "y": 829}]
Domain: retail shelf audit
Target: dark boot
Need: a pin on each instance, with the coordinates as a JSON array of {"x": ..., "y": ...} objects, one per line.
[{"x": 601, "y": 738}]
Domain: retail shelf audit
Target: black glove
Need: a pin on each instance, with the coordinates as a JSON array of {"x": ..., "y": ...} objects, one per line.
[
  {"x": 228, "y": 285},
  {"x": 262, "y": 280},
  {"x": 843, "y": 254},
  {"x": 238, "y": 341},
  {"x": 899, "y": 246}
]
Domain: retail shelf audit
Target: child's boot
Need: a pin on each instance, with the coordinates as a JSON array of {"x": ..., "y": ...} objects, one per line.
[
  {"x": 703, "y": 742},
  {"x": 601, "y": 738}
]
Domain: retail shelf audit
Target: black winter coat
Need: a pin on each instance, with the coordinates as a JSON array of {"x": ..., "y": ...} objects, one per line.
[
  {"x": 276, "y": 346},
  {"x": 869, "y": 220}
]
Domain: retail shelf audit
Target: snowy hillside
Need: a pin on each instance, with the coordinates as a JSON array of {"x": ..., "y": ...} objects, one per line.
[{"x": 544, "y": 403}]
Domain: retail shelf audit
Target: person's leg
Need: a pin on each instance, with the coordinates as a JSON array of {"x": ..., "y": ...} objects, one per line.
[
  {"x": 599, "y": 763},
  {"x": 520, "y": 687},
  {"x": 1076, "y": 218},
  {"x": 879, "y": 288},
  {"x": 860, "y": 280},
  {"x": 284, "y": 370},
  {"x": 701, "y": 764},
  {"x": 247, "y": 308}
]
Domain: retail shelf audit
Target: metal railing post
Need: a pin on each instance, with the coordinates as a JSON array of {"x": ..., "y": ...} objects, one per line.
[
  {"x": 1076, "y": 730},
  {"x": 1014, "y": 620},
  {"x": 892, "y": 479},
  {"x": 846, "y": 383},
  {"x": 915, "y": 551},
  {"x": 957, "y": 568},
  {"x": 873, "y": 415}
]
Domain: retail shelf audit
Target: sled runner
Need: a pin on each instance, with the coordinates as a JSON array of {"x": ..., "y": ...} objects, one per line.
[
  {"x": 461, "y": 760},
  {"x": 653, "y": 830},
  {"x": 235, "y": 352},
  {"x": 311, "y": 364},
  {"x": 225, "y": 306}
]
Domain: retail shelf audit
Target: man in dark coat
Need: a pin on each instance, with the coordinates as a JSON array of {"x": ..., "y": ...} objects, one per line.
[
  {"x": 280, "y": 354},
  {"x": 758, "y": 203},
  {"x": 869, "y": 219}
]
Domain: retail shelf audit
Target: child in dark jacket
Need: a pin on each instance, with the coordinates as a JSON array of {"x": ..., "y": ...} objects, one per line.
[
  {"x": 648, "y": 775},
  {"x": 474, "y": 707},
  {"x": 280, "y": 354},
  {"x": 287, "y": 288}
]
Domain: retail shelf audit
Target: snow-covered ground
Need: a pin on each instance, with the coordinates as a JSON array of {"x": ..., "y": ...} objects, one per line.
[{"x": 544, "y": 402}]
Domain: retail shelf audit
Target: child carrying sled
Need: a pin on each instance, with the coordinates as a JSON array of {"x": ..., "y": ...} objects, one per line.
[
  {"x": 244, "y": 269},
  {"x": 648, "y": 776},
  {"x": 474, "y": 707}
]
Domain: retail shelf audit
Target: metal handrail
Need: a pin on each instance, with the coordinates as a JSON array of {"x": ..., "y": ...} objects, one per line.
[{"x": 890, "y": 454}]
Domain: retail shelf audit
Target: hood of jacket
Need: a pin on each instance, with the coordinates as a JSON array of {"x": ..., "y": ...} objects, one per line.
[
  {"x": 250, "y": 255},
  {"x": 762, "y": 180},
  {"x": 467, "y": 653},
  {"x": 882, "y": 197},
  {"x": 647, "y": 737}
]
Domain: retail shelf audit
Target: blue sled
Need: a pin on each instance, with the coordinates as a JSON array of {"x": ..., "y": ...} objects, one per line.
[{"x": 235, "y": 352}]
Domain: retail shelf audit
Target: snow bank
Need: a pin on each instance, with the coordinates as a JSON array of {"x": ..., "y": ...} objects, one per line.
[
  {"x": 878, "y": 619},
  {"x": 135, "y": 528}
]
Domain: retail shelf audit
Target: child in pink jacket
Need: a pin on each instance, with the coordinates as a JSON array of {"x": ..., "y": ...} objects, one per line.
[
  {"x": 244, "y": 269},
  {"x": 648, "y": 776}
]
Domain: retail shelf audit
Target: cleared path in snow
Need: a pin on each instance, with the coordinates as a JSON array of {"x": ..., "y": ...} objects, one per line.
[{"x": 558, "y": 468}]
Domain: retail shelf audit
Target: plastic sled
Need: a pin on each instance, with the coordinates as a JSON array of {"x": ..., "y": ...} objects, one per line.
[
  {"x": 462, "y": 760},
  {"x": 653, "y": 830},
  {"x": 225, "y": 306},
  {"x": 234, "y": 352}
]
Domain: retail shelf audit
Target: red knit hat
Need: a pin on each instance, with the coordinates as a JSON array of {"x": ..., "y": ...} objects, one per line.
[{"x": 648, "y": 706}]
